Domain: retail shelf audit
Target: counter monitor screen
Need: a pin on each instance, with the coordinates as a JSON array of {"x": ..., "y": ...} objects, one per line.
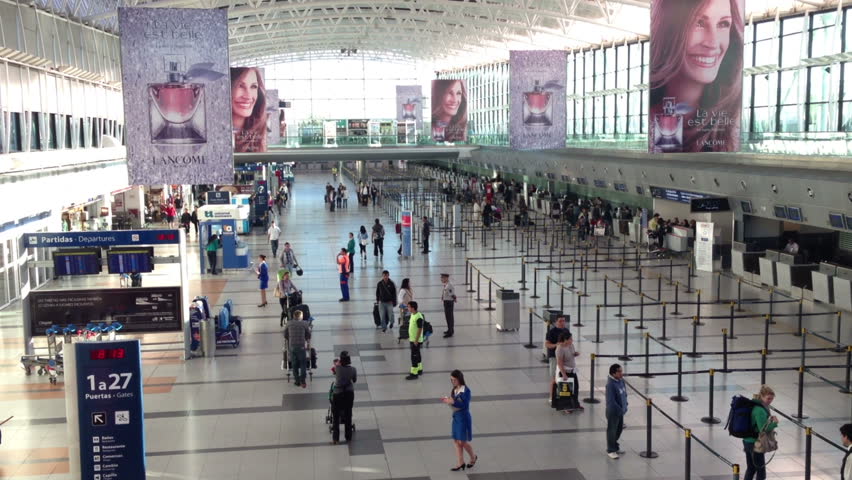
[
  {"x": 746, "y": 206},
  {"x": 836, "y": 220},
  {"x": 794, "y": 214},
  {"x": 77, "y": 262},
  {"x": 130, "y": 260},
  {"x": 709, "y": 205},
  {"x": 780, "y": 211}
]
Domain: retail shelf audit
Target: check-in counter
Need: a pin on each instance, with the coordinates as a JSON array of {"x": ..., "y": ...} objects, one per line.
[
  {"x": 792, "y": 275},
  {"x": 822, "y": 281},
  {"x": 842, "y": 286},
  {"x": 745, "y": 264},
  {"x": 678, "y": 240},
  {"x": 767, "y": 263}
]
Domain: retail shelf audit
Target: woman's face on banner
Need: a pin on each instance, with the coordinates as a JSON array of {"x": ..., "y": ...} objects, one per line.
[
  {"x": 708, "y": 39},
  {"x": 452, "y": 99},
  {"x": 244, "y": 94}
]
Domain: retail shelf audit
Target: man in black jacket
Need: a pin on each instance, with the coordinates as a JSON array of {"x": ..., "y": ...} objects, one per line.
[
  {"x": 426, "y": 231},
  {"x": 386, "y": 300}
]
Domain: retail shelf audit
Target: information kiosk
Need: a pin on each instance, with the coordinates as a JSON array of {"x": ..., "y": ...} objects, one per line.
[{"x": 221, "y": 220}]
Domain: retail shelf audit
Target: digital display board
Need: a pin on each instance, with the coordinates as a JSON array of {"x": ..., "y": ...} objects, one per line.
[
  {"x": 582, "y": 181},
  {"x": 709, "y": 205},
  {"x": 746, "y": 206},
  {"x": 640, "y": 190},
  {"x": 675, "y": 195},
  {"x": 836, "y": 220},
  {"x": 600, "y": 183},
  {"x": 621, "y": 187},
  {"x": 77, "y": 262},
  {"x": 139, "y": 310},
  {"x": 794, "y": 214},
  {"x": 780, "y": 211},
  {"x": 848, "y": 221},
  {"x": 130, "y": 260}
]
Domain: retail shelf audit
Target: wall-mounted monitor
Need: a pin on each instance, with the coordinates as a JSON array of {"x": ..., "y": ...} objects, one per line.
[
  {"x": 745, "y": 205},
  {"x": 836, "y": 220},
  {"x": 620, "y": 187},
  {"x": 130, "y": 260},
  {"x": 780, "y": 211},
  {"x": 640, "y": 190},
  {"x": 848, "y": 221},
  {"x": 600, "y": 183},
  {"x": 82, "y": 261},
  {"x": 697, "y": 205},
  {"x": 582, "y": 181},
  {"x": 794, "y": 214}
]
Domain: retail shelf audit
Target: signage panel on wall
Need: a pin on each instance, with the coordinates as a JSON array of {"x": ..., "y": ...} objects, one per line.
[
  {"x": 696, "y": 75},
  {"x": 409, "y": 104},
  {"x": 139, "y": 310},
  {"x": 249, "y": 104},
  {"x": 704, "y": 246},
  {"x": 107, "y": 238},
  {"x": 218, "y": 198},
  {"x": 174, "y": 69},
  {"x": 105, "y": 414},
  {"x": 273, "y": 135},
  {"x": 537, "y": 99},
  {"x": 449, "y": 111}
]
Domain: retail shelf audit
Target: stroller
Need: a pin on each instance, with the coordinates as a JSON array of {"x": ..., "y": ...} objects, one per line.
[
  {"x": 329, "y": 416},
  {"x": 286, "y": 364},
  {"x": 291, "y": 301}
]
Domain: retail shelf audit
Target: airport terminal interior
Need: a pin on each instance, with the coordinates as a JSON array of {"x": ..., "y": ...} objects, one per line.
[{"x": 188, "y": 280}]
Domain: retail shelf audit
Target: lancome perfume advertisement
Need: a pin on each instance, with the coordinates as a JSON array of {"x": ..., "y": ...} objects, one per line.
[
  {"x": 696, "y": 74},
  {"x": 409, "y": 105},
  {"x": 249, "y": 104},
  {"x": 174, "y": 70},
  {"x": 537, "y": 99},
  {"x": 449, "y": 111},
  {"x": 273, "y": 133}
]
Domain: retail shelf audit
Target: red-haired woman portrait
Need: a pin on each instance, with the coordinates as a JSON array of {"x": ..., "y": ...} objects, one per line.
[
  {"x": 248, "y": 109},
  {"x": 696, "y": 75},
  {"x": 449, "y": 111}
]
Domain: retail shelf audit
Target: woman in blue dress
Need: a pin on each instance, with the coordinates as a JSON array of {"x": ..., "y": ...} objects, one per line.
[
  {"x": 459, "y": 402},
  {"x": 263, "y": 275}
]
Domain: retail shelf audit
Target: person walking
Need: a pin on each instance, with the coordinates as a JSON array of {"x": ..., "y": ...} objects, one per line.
[
  {"x": 274, "y": 234},
  {"x": 415, "y": 340},
  {"x": 298, "y": 333},
  {"x": 288, "y": 259},
  {"x": 761, "y": 420},
  {"x": 344, "y": 196},
  {"x": 616, "y": 408},
  {"x": 194, "y": 219},
  {"x": 386, "y": 299},
  {"x": 846, "y": 465},
  {"x": 213, "y": 246},
  {"x": 343, "y": 397},
  {"x": 185, "y": 220},
  {"x": 363, "y": 240},
  {"x": 566, "y": 365},
  {"x": 286, "y": 288},
  {"x": 403, "y": 297},
  {"x": 378, "y": 239},
  {"x": 262, "y": 271},
  {"x": 343, "y": 270},
  {"x": 448, "y": 298},
  {"x": 426, "y": 231},
  {"x": 459, "y": 402},
  {"x": 350, "y": 249}
]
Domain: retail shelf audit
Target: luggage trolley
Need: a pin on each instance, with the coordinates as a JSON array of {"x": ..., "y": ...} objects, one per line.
[{"x": 311, "y": 356}]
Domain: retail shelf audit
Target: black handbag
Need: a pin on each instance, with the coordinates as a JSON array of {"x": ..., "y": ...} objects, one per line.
[{"x": 299, "y": 271}]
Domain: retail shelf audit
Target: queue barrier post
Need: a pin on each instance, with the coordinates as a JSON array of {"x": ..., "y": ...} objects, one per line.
[
  {"x": 763, "y": 367},
  {"x": 598, "y": 326},
  {"x": 596, "y": 261},
  {"x": 801, "y": 395},
  {"x": 677, "y": 298},
  {"x": 694, "y": 353},
  {"x": 731, "y": 323},
  {"x": 530, "y": 343},
  {"x": 561, "y": 298},
  {"x": 689, "y": 277},
  {"x": 606, "y": 281},
  {"x": 641, "y": 325},
  {"x": 679, "y": 397},
  {"x": 478, "y": 285},
  {"x": 724, "y": 368},
  {"x": 766, "y": 321},
  {"x": 698, "y": 308},
  {"x": 573, "y": 271},
  {"x": 808, "y": 451},
  {"x": 466, "y": 271},
  {"x": 687, "y": 461},
  {"x": 625, "y": 357},
  {"x": 718, "y": 287},
  {"x": 547, "y": 292},
  {"x": 586, "y": 281},
  {"x": 523, "y": 276},
  {"x": 664, "y": 337},
  {"x": 739, "y": 294},
  {"x": 620, "y": 301},
  {"x": 771, "y": 301},
  {"x": 470, "y": 283},
  {"x": 736, "y": 469},
  {"x": 798, "y": 331},
  {"x": 839, "y": 347},
  {"x": 671, "y": 271},
  {"x": 490, "y": 307},
  {"x": 640, "y": 280},
  {"x": 710, "y": 419},
  {"x": 592, "y": 399},
  {"x": 660, "y": 287},
  {"x": 579, "y": 322},
  {"x": 647, "y": 373},
  {"x": 648, "y": 452},
  {"x": 535, "y": 283},
  {"x": 848, "y": 388},
  {"x": 804, "y": 335}
]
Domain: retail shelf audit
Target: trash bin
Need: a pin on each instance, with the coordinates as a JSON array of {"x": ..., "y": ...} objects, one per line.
[
  {"x": 208, "y": 338},
  {"x": 508, "y": 310}
]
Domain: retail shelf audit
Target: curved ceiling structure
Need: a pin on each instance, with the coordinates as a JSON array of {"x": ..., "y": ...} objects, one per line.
[{"x": 441, "y": 31}]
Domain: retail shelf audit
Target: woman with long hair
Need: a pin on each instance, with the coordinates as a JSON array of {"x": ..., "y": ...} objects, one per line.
[
  {"x": 363, "y": 240},
  {"x": 761, "y": 419},
  {"x": 459, "y": 402},
  {"x": 403, "y": 297},
  {"x": 248, "y": 109},
  {"x": 696, "y": 75},
  {"x": 449, "y": 111}
]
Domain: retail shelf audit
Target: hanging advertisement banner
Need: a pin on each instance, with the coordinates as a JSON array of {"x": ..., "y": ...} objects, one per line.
[
  {"x": 273, "y": 133},
  {"x": 704, "y": 246},
  {"x": 249, "y": 105},
  {"x": 409, "y": 105},
  {"x": 696, "y": 73},
  {"x": 537, "y": 99},
  {"x": 449, "y": 111},
  {"x": 174, "y": 71}
]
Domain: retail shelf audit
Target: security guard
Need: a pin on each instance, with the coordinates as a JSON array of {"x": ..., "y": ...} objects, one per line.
[
  {"x": 448, "y": 298},
  {"x": 415, "y": 336}
]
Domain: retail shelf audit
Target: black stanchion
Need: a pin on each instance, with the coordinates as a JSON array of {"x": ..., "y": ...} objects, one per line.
[
  {"x": 585, "y": 283},
  {"x": 648, "y": 452},
  {"x": 694, "y": 353},
  {"x": 664, "y": 337},
  {"x": 677, "y": 299},
  {"x": 606, "y": 281},
  {"x": 804, "y": 334},
  {"x": 559, "y": 268},
  {"x": 679, "y": 397},
  {"x": 671, "y": 271},
  {"x": 573, "y": 272},
  {"x": 538, "y": 251},
  {"x": 466, "y": 272},
  {"x": 731, "y": 323},
  {"x": 660, "y": 287},
  {"x": 647, "y": 373},
  {"x": 763, "y": 367},
  {"x": 740, "y": 295},
  {"x": 521, "y": 250},
  {"x": 767, "y": 319},
  {"x": 848, "y": 388},
  {"x": 687, "y": 456},
  {"x": 597, "y": 325},
  {"x": 623, "y": 266},
  {"x": 771, "y": 301},
  {"x": 688, "y": 278},
  {"x": 592, "y": 398},
  {"x": 478, "y": 285},
  {"x": 801, "y": 398},
  {"x": 494, "y": 239},
  {"x": 625, "y": 357},
  {"x": 808, "y": 451},
  {"x": 523, "y": 276},
  {"x": 596, "y": 261},
  {"x": 724, "y": 368},
  {"x": 470, "y": 286},
  {"x": 839, "y": 347},
  {"x": 698, "y": 309},
  {"x": 535, "y": 283},
  {"x": 620, "y": 300},
  {"x": 641, "y": 325},
  {"x": 710, "y": 419},
  {"x": 530, "y": 343},
  {"x": 640, "y": 281},
  {"x": 579, "y": 322},
  {"x": 798, "y": 331},
  {"x": 489, "y": 308},
  {"x": 561, "y": 298},
  {"x": 547, "y": 292},
  {"x": 718, "y": 287}
]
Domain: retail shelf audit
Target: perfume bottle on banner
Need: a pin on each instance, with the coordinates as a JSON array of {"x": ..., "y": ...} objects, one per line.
[
  {"x": 409, "y": 111},
  {"x": 176, "y": 107},
  {"x": 668, "y": 128},
  {"x": 537, "y": 107}
]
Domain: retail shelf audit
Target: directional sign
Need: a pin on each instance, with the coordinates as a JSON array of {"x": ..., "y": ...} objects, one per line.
[{"x": 99, "y": 419}]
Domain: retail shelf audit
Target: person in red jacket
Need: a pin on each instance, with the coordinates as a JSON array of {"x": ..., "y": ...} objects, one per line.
[{"x": 343, "y": 270}]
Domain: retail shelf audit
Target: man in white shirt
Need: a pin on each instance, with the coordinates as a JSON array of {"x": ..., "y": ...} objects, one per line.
[
  {"x": 448, "y": 297},
  {"x": 792, "y": 247},
  {"x": 274, "y": 234},
  {"x": 846, "y": 466}
]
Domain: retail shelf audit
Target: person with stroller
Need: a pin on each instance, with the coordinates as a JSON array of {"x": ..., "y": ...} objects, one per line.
[
  {"x": 288, "y": 294},
  {"x": 403, "y": 298},
  {"x": 297, "y": 333},
  {"x": 343, "y": 397}
]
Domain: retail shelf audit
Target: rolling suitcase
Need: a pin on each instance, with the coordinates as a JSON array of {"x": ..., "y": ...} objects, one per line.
[
  {"x": 563, "y": 396},
  {"x": 377, "y": 319}
]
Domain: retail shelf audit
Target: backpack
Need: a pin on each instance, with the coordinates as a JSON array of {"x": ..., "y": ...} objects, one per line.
[
  {"x": 739, "y": 418},
  {"x": 427, "y": 327}
]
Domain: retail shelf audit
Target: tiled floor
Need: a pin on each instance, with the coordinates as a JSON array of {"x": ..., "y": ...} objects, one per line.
[{"x": 237, "y": 417}]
